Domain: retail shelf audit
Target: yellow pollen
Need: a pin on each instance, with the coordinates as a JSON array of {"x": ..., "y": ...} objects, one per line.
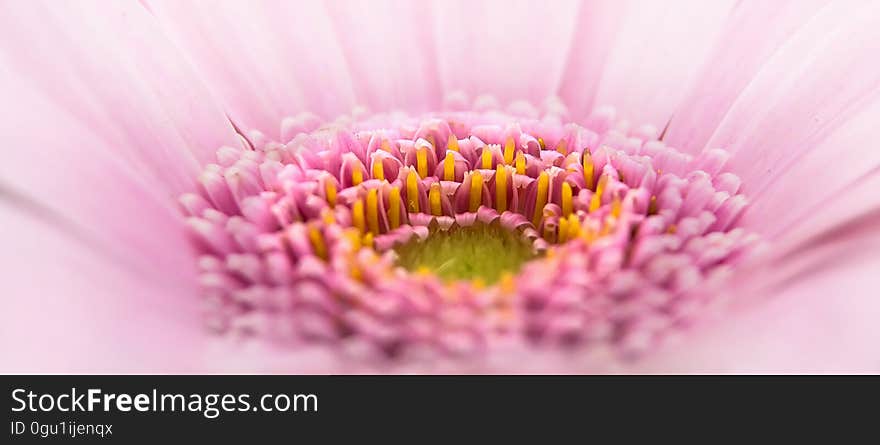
[
  {"x": 452, "y": 143},
  {"x": 318, "y": 245},
  {"x": 588, "y": 169},
  {"x": 373, "y": 210},
  {"x": 542, "y": 144},
  {"x": 378, "y": 170},
  {"x": 357, "y": 216},
  {"x": 562, "y": 147},
  {"x": 596, "y": 202},
  {"x": 422, "y": 162},
  {"x": 368, "y": 240},
  {"x": 563, "y": 230},
  {"x": 394, "y": 208},
  {"x": 434, "y": 199},
  {"x": 412, "y": 191},
  {"x": 386, "y": 145},
  {"x": 449, "y": 167},
  {"x": 357, "y": 175},
  {"x": 509, "y": 150},
  {"x": 541, "y": 198},
  {"x": 520, "y": 163},
  {"x": 476, "y": 191},
  {"x": 616, "y": 207},
  {"x": 327, "y": 216},
  {"x": 330, "y": 192},
  {"x": 566, "y": 199},
  {"x": 487, "y": 157},
  {"x": 574, "y": 226},
  {"x": 500, "y": 188},
  {"x": 507, "y": 283}
]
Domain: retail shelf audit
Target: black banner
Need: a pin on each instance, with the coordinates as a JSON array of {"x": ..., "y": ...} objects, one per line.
[{"x": 328, "y": 409}]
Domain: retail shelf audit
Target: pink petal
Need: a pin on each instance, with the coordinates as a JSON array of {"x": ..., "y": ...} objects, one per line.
[
  {"x": 71, "y": 307},
  {"x": 824, "y": 320},
  {"x": 750, "y": 37},
  {"x": 655, "y": 54}
]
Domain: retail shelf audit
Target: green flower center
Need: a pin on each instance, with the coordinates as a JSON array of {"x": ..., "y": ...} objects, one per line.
[{"x": 479, "y": 252}]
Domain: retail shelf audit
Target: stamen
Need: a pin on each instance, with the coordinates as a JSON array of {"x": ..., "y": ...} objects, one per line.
[
  {"x": 378, "y": 170},
  {"x": 501, "y": 188},
  {"x": 357, "y": 216},
  {"x": 563, "y": 231},
  {"x": 574, "y": 226},
  {"x": 452, "y": 143},
  {"x": 541, "y": 198},
  {"x": 422, "y": 162},
  {"x": 373, "y": 210},
  {"x": 394, "y": 208},
  {"x": 509, "y": 149},
  {"x": 596, "y": 202},
  {"x": 616, "y": 207},
  {"x": 520, "y": 163},
  {"x": 562, "y": 147},
  {"x": 566, "y": 199},
  {"x": 449, "y": 167},
  {"x": 317, "y": 240},
  {"x": 476, "y": 191},
  {"x": 330, "y": 192},
  {"x": 357, "y": 175},
  {"x": 486, "y": 157},
  {"x": 588, "y": 169},
  {"x": 434, "y": 199},
  {"x": 386, "y": 145},
  {"x": 412, "y": 191}
]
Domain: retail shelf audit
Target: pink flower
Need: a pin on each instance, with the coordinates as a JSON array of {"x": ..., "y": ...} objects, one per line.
[{"x": 440, "y": 187}]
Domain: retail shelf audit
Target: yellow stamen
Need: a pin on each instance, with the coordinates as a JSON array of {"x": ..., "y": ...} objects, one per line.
[
  {"x": 422, "y": 162},
  {"x": 541, "y": 198},
  {"x": 452, "y": 143},
  {"x": 449, "y": 167},
  {"x": 542, "y": 144},
  {"x": 412, "y": 191},
  {"x": 616, "y": 207},
  {"x": 327, "y": 216},
  {"x": 378, "y": 170},
  {"x": 318, "y": 245},
  {"x": 588, "y": 169},
  {"x": 563, "y": 230},
  {"x": 501, "y": 188},
  {"x": 357, "y": 216},
  {"x": 562, "y": 147},
  {"x": 566, "y": 199},
  {"x": 394, "y": 208},
  {"x": 487, "y": 157},
  {"x": 373, "y": 210},
  {"x": 596, "y": 202},
  {"x": 357, "y": 175},
  {"x": 509, "y": 150},
  {"x": 368, "y": 240},
  {"x": 476, "y": 191},
  {"x": 652, "y": 206},
  {"x": 574, "y": 226},
  {"x": 386, "y": 145},
  {"x": 520, "y": 163},
  {"x": 330, "y": 192},
  {"x": 434, "y": 199}
]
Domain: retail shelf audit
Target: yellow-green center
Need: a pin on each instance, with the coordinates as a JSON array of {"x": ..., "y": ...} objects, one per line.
[{"x": 479, "y": 252}]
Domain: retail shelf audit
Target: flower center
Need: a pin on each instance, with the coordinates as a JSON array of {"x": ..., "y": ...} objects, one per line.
[
  {"x": 383, "y": 234},
  {"x": 482, "y": 253}
]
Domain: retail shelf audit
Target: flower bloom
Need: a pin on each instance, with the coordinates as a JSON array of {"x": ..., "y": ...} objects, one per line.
[{"x": 345, "y": 187}]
